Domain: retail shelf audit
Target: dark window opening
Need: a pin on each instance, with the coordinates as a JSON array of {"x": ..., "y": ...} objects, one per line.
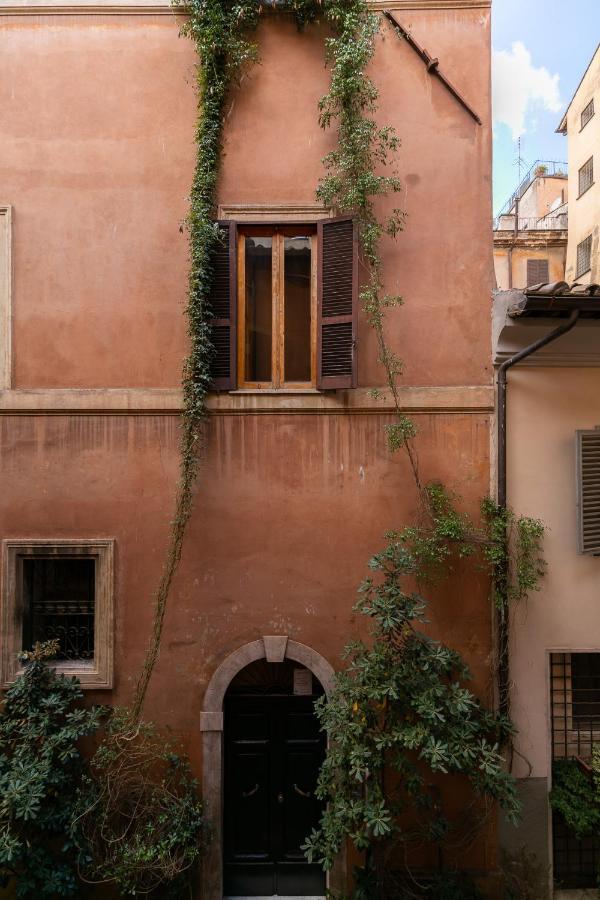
[
  {"x": 59, "y": 604},
  {"x": 584, "y": 256},
  {"x": 587, "y": 113},
  {"x": 575, "y": 710},
  {"x": 586, "y": 176}
]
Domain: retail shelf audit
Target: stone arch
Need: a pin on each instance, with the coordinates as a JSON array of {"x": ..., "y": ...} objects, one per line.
[{"x": 273, "y": 648}]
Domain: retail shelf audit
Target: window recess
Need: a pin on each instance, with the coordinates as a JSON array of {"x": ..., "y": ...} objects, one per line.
[
  {"x": 586, "y": 176},
  {"x": 575, "y": 712},
  {"x": 586, "y": 114},
  {"x": 60, "y": 591},
  {"x": 584, "y": 256},
  {"x": 284, "y": 304}
]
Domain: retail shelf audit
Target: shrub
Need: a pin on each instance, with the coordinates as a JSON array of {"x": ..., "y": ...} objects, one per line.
[{"x": 40, "y": 768}]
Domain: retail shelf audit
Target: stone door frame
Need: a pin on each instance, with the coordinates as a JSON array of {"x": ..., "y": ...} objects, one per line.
[{"x": 273, "y": 648}]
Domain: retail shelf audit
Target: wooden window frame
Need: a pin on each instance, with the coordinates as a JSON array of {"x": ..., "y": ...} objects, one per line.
[
  {"x": 278, "y": 233},
  {"x": 93, "y": 674}
]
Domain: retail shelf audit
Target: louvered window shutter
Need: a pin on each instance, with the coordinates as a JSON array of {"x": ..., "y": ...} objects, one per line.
[
  {"x": 588, "y": 491},
  {"x": 537, "y": 272},
  {"x": 337, "y": 303},
  {"x": 223, "y": 309}
]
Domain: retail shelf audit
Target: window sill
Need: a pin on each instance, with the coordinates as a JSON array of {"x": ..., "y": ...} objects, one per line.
[{"x": 274, "y": 392}]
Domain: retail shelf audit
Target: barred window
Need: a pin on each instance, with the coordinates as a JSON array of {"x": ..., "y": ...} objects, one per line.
[
  {"x": 587, "y": 113},
  {"x": 586, "y": 176},
  {"x": 575, "y": 711},
  {"x": 59, "y": 604},
  {"x": 59, "y": 590},
  {"x": 584, "y": 256}
]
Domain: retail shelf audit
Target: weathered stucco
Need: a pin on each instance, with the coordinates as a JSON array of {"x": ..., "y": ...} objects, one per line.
[{"x": 98, "y": 117}]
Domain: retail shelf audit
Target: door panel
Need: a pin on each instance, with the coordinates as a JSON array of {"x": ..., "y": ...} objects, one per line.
[{"x": 273, "y": 751}]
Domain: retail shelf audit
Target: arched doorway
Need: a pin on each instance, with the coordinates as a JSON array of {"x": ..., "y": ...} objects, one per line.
[
  {"x": 273, "y": 750},
  {"x": 273, "y": 649}
]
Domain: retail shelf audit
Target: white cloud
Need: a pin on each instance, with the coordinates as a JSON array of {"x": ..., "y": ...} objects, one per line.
[{"x": 519, "y": 86}]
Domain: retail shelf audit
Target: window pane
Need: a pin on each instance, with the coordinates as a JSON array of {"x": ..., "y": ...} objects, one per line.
[
  {"x": 58, "y": 597},
  {"x": 259, "y": 308},
  {"x": 297, "y": 309}
]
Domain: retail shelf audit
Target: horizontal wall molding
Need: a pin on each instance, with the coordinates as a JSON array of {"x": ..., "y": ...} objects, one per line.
[
  {"x": 162, "y": 401},
  {"x": 160, "y": 7}
]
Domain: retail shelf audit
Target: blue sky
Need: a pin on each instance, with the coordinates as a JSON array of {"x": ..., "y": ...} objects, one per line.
[{"x": 541, "y": 49}]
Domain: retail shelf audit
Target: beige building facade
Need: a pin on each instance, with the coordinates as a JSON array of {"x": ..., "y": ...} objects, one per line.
[
  {"x": 552, "y": 397},
  {"x": 581, "y": 125}
]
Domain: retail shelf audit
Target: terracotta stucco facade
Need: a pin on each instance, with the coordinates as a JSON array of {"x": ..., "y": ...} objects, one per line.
[{"x": 296, "y": 492}]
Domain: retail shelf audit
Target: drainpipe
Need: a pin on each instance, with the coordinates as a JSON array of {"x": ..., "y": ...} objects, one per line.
[{"x": 502, "y": 612}]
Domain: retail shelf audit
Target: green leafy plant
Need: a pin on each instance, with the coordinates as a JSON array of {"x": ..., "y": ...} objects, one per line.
[
  {"x": 575, "y": 795},
  {"x": 41, "y": 726},
  {"x": 400, "y": 715},
  {"x": 139, "y": 820}
]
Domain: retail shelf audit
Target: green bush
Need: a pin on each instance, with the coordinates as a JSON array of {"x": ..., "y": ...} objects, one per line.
[
  {"x": 575, "y": 797},
  {"x": 41, "y": 725}
]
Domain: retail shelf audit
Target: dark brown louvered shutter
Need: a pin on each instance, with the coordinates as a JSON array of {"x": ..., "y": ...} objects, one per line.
[
  {"x": 223, "y": 309},
  {"x": 588, "y": 491},
  {"x": 537, "y": 272},
  {"x": 337, "y": 303}
]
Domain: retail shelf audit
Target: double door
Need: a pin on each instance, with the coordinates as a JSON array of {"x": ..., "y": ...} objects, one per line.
[{"x": 273, "y": 752}]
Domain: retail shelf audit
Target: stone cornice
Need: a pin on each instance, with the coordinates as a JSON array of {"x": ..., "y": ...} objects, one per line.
[
  {"x": 167, "y": 401},
  {"x": 160, "y": 7}
]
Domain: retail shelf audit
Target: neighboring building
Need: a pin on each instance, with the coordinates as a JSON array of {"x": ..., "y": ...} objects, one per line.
[
  {"x": 298, "y": 487},
  {"x": 581, "y": 124},
  {"x": 530, "y": 232},
  {"x": 553, "y": 461}
]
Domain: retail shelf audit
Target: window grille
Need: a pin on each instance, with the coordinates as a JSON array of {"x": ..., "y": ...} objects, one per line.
[
  {"x": 575, "y": 711},
  {"x": 584, "y": 256},
  {"x": 587, "y": 113},
  {"x": 586, "y": 176},
  {"x": 59, "y": 600},
  {"x": 537, "y": 271}
]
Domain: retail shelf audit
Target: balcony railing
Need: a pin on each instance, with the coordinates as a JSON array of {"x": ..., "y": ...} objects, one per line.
[
  {"x": 555, "y": 222},
  {"x": 540, "y": 168}
]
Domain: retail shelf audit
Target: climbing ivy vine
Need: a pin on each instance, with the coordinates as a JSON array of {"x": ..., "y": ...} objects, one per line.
[{"x": 357, "y": 173}]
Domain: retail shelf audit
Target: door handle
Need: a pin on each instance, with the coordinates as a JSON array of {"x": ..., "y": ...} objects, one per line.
[
  {"x": 301, "y": 792},
  {"x": 250, "y": 792}
]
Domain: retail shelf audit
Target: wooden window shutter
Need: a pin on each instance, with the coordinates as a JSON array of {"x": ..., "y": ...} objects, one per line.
[
  {"x": 588, "y": 491},
  {"x": 337, "y": 303},
  {"x": 537, "y": 272},
  {"x": 223, "y": 308}
]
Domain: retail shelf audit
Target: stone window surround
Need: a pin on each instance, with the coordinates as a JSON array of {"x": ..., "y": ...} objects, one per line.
[
  {"x": 273, "y": 648},
  {"x": 93, "y": 675}
]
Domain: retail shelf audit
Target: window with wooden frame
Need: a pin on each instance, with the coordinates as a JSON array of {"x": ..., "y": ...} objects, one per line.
[
  {"x": 284, "y": 305},
  {"x": 62, "y": 591},
  {"x": 586, "y": 176}
]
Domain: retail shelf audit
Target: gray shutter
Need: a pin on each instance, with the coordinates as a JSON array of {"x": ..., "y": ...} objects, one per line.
[
  {"x": 337, "y": 303},
  {"x": 537, "y": 272},
  {"x": 224, "y": 311},
  {"x": 588, "y": 491}
]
